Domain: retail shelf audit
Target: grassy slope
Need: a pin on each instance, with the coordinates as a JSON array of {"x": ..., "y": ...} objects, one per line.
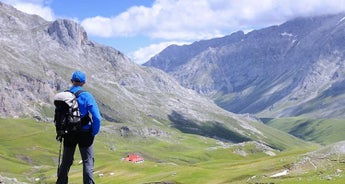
[
  {"x": 324, "y": 131},
  {"x": 28, "y": 150}
]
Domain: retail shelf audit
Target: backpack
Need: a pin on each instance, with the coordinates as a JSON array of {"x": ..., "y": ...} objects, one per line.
[{"x": 67, "y": 115}]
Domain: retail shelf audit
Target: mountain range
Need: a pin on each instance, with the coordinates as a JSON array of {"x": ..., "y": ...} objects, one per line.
[
  {"x": 293, "y": 69},
  {"x": 38, "y": 58},
  {"x": 181, "y": 130}
]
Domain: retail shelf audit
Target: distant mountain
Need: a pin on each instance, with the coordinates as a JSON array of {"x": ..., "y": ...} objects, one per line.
[
  {"x": 38, "y": 58},
  {"x": 293, "y": 69}
]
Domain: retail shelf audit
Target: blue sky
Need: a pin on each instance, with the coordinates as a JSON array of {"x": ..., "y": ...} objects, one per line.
[
  {"x": 89, "y": 8},
  {"x": 142, "y": 28}
]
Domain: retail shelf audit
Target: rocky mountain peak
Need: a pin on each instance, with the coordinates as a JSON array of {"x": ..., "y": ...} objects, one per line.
[
  {"x": 296, "y": 68},
  {"x": 68, "y": 33}
]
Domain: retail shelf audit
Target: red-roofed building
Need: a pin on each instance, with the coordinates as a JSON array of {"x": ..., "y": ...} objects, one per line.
[{"x": 134, "y": 158}]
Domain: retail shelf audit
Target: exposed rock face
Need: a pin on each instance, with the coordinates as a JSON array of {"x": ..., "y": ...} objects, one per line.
[
  {"x": 296, "y": 68},
  {"x": 68, "y": 33}
]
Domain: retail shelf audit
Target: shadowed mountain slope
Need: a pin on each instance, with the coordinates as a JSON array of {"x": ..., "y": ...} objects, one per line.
[{"x": 293, "y": 69}]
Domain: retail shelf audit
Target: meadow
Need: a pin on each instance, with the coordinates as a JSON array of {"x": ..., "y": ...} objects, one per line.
[{"x": 29, "y": 153}]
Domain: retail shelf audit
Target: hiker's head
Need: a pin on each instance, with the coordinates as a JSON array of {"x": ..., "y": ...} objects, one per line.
[{"x": 78, "y": 78}]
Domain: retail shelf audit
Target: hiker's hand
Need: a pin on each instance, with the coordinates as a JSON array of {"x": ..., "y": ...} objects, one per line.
[
  {"x": 59, "y": 138},
  {"x": 59, "y": 135}
]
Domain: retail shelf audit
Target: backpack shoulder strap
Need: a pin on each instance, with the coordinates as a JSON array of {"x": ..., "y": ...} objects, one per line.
[{"x": 77, "y": 93}]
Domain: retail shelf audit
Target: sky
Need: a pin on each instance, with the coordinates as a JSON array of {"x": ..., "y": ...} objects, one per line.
[{"x": 142, "y": 28}]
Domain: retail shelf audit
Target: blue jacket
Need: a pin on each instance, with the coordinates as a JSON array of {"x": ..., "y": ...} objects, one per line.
[{"x": 87, "y": 103}]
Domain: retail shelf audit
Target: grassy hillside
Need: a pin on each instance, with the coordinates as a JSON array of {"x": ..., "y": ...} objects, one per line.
[
  {"x": 29, "y": 152},
  {"x": 324, "y": 131}
]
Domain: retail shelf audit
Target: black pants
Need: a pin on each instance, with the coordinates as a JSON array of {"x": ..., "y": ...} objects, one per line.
[{"x": 84, "y": 140}]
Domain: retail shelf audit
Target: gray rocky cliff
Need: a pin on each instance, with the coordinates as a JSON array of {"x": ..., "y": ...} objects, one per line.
[
  {"x": 68, "y": 33},
  {"x": 285, "y": 70}
]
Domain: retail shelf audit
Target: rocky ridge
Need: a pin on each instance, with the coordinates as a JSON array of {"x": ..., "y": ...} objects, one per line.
[{"x": 292, "y": 69}]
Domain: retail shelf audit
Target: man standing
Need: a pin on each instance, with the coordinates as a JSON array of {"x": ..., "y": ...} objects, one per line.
[{"x": 83, "y": 138}]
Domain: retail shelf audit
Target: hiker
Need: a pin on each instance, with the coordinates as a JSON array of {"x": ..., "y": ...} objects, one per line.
[{"x": 84, "y": 137}]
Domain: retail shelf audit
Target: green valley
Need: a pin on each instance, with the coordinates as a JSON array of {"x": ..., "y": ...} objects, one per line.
[{"x": 29, "y": 153}]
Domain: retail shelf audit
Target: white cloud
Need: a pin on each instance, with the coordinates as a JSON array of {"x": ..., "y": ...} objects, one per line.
[
  {"x": 186, "y": 20},
  {"x": 135, "y": 21},
  {"x": 144, "y": 54},
  {"x": 99, "y": 26},
  {"x": 166, "y": 19}
]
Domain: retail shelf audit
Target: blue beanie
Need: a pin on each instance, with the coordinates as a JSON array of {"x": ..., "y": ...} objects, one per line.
[{"x": 78, "y": 76}]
